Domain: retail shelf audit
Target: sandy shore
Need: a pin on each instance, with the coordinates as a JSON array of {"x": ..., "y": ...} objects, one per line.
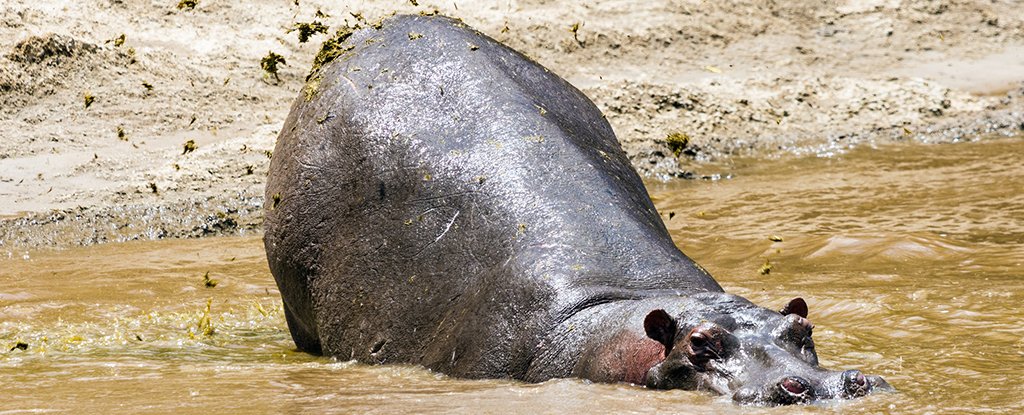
[{"x": 724, "y": 79}]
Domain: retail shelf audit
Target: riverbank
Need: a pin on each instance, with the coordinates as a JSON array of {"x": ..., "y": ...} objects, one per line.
[{"x": 96, "y": 125}]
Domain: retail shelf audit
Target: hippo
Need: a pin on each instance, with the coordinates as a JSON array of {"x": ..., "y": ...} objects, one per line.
[{"x": 436, "y": 198}]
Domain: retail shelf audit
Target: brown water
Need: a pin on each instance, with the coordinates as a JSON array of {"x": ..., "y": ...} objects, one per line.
[{"x": 911, "y": 258}]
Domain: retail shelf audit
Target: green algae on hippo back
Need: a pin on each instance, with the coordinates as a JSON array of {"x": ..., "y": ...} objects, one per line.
[{"x": 389, "y": 246}]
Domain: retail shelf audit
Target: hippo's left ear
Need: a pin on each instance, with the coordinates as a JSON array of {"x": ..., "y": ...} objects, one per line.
[
  {"x": 796, "y": 306},
  {"x": 661, "y": 327}
]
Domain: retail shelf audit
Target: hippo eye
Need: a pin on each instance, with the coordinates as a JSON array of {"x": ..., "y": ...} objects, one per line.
[{"x": 707, "y": 342}]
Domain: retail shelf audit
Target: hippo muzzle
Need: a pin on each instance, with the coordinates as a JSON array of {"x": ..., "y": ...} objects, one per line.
[{"x": 758, "y": 356}]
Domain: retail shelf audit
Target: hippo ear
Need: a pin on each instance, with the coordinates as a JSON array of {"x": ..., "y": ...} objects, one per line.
[
  {"x": 796, "y": 306},
  {"x": 661, "y": 327}
]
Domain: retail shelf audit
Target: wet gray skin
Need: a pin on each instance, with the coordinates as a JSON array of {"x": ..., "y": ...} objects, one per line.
[
  {"x": 436, "y": 198},
  {"x": 726, "y": 344}
]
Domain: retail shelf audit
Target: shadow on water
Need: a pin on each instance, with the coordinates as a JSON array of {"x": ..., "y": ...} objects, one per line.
[{"x": 910, "y": 257}]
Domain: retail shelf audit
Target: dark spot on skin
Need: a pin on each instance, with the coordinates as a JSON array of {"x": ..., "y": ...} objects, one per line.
[{"x": 378, "y": 346}]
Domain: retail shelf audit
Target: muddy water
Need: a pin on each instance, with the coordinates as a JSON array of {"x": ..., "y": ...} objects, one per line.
[{"x": 911, "y": 258}]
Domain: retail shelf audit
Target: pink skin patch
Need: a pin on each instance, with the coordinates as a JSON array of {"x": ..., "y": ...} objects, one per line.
[{"x": 628, "y": 356}]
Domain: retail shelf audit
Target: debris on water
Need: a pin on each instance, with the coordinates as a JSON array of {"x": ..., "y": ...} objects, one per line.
[
  {"x": 307, "y": 30},
  {"x": 414, "y": 2},
  {"x": 534, "y": 138},
  {"x": 576, "y": 32},
  {"x": 207, "y": 282},
  {"x": 331, "y": 49},
  {"x": 249, "y": 169},
  {"x": 522, "y": 228},
  {"x": 542, "y": 110},
  {"x": 152, "y": 187},
  {"x": 414, "y": 35},
  {"x": 671, "y": 215},
  {"x": 190, "y": 146},
  {"x": 775, "y": 238},
  {"x": 906, "y": 131},
  {"x": 427, "y": 177},
  {"x": 204, "y": 326},
  {"x": 324, "y": 118},
  {"x": 192, "y": 121},
  {"x": 260, "y": 309},
  {"x": 473, "y": 47},
  {"x": 269, "y": 64},
  {"x": 147, "y": 85},
  {"x": 268, "y": 153},
  {"x": 505, "y": 28},
  {"x": 121, "y": 134},
  {"x": 677, "y": 142},
  {"x": 117, "y": 41},
  {"x": 19, "y": 346},
  {"x": 89, "y": 98},
  {"x": 138, "y": 337},
  {"x": 187, "y": 4},
  {"x": 766, "y": 268}
]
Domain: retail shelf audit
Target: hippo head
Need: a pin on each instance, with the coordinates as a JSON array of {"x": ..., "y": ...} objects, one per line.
[{"x": 725, "y": 344}]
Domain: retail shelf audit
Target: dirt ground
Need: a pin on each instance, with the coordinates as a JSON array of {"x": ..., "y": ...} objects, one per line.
[{"x": 95, "y": 125}]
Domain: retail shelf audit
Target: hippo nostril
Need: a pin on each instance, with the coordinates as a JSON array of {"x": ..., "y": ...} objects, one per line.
[
  {"x": 854, "y": 384},
  {"x": 794, "y": 385},
  {"x": 698, "y": 339}
]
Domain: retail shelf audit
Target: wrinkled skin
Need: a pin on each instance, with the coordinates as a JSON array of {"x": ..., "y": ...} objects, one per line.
[{"x": 436, "y": 198}]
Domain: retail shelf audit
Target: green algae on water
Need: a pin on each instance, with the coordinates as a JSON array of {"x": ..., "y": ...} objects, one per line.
[
  {"x": 209, "y": 282},
  {"x": 205, "y": 325},
  {"x": 190, "y": 146},
  {"x": 117, "y": 41},
  {"x": 307, "y": 30},
  {"x": 677, "y": 142},
  {"x": 269, "y": 64}
]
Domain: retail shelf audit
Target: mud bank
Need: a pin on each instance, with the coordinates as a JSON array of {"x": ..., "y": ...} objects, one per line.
[{"x": 98, "y": 99}]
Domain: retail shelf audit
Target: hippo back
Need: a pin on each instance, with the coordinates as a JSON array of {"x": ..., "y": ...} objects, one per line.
[{"x": 438, "y": 198}]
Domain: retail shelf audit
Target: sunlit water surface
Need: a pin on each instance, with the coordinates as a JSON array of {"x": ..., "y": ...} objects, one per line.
[{"x": 910, "y": 257}]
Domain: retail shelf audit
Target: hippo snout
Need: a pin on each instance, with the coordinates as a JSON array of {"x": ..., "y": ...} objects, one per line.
[
  {"x": 854, "y": 384},
  {"x": 792, "y": 390}
]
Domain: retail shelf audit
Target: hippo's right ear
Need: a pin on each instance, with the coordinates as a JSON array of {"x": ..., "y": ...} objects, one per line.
[
  {"x": 661, "y": 327},
  {"x": 796, "y": 306}
]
